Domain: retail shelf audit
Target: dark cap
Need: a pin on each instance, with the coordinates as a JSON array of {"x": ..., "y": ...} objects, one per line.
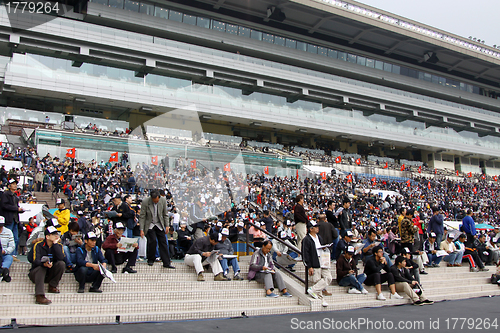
[{"x": 51, "y": 231}]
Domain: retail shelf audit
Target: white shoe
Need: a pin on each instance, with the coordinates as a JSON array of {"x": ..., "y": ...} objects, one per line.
[
  {"x": 364, "y": 291},
  {"x": 381, "y": 297},
  {"x": 353, "y": 291},
  {"x": 324, "y": 304},
  {"x": 312, "y": 293},
  {"x": 396, "y": 296}
]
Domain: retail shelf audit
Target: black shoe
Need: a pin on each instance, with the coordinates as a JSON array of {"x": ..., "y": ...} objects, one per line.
[
  {"x": 113, "y": 270},
  {"x": 128, "y": 269},
  {"x": 81, "y": 290},
  {"x": 227, "y": 277},
  {"x": 150, "y": 263},
  {"x": 419, "y": 302},
  {"x": 428, "y": 301},
  {"x": 424, "y": 273},
  {"x": 168, "y": 266},
  {"x": 6, "y": 275},
  {"x": 94, "y": 290}
]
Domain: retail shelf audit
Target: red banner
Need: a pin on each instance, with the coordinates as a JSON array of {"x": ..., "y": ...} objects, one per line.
[
  {"x": 227, "y": 167},
  {"x": 71, "y": 153},
  {"x": 154, "y": 160},
  {"x": 114, "y": 157},
  {"x": 358, "y": 161},
  {"x": 193, "y": 164},
  {"x": 266, "y": 170},
  {"x": 338, "y": 159}
]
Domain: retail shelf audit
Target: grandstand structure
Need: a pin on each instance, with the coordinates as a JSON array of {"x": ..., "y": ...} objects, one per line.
[{"x": 319, "y": 74}]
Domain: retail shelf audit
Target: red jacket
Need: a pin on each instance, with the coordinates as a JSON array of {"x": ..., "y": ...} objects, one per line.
[{"x": 111, "y": 243}]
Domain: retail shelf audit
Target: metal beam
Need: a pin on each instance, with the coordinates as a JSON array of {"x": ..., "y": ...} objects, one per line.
[
  {"x": 219, "y": 4},
  {"x": 485, "y": 71},
  {"x": 457, "y": 64},
  {"x": 320, "y": 23},
  {"x": 361, "y": 34},
  {"x": 395, "y": 46}
]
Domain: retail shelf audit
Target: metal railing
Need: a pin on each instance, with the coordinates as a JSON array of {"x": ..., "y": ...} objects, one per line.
[{"x": 293, "y": 248}]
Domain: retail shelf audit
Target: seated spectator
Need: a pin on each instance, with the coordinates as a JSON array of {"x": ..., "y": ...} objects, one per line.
[
  {"x": 460, "y": 246},
  {"x": 495, "y": 250},
  {"x": 343, "y": 243},
  {"x": 453, "y": 255},
  {"x": 62, "y": 215},
  {"x": 115, "y": 257},
  {"x": 405, "y": 283},
  {"x": 369, "y": 244},
  {"x": 184, "y": 239},
  {"x": 71, "y": 241},
  {"x": 411, "y": 265},
  {"x": 280, "y": 251},
  {"x": 262, "y": 270},
  {"x": 88, "y": 258},
  {"x": 484, "y": 251},
  {"x": 347, "y": 273},
  {"x": 198, "y": 254},
  {"x": 48, "y": 265},
  {"x": 172, "y": 237},
  {"x": 8, "y": 245},
  {"x": 477, "y": 265},
  {"x": 312, "y": 253},
  {"x": 373, "y": 266},
  {"x": 226, "y": 248},
  {"x": 238, "y": 232},
  {"x": 431, "y": 248}
]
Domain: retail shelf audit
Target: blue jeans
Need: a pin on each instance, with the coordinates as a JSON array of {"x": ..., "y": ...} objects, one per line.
[
  {"x": 333, "y": 253},
  {"x": 225, "y": 263},
  {"x": 7, "y": 260},
  {"x": 14, "y": 227},
  {"x": 460, "y": 255},
  {"x": 351, "y": 280},
  {"x": 434, "y": 259},
  {"x": 451, "y": 258},
  {"x": 129, "y": 233},
  {"x": 439, "y": 238},
  {"x": 71, "y": 256}
]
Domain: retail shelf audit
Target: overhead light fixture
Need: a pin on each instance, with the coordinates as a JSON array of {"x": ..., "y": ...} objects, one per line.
[
  {"x": 10, "y": 90},
  {"x": 256, "y": 124},
  {"x": 81, "y": 100},
  {"x": 146, "y": 109},
  {"x": 205, "y": 117},
  {"x": 302, "y": 130}
]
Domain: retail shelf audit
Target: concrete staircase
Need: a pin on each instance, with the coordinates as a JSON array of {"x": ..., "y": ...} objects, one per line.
[
  {"x": 158, "y": 294},
  {"x": 47, "y": 197}
]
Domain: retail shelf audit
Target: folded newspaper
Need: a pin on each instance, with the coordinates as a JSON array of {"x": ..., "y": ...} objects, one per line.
[
  {"x": 441, "y": 253},
  {"x": 127, "y": 244},
  {"x": 106, "y": 273}
]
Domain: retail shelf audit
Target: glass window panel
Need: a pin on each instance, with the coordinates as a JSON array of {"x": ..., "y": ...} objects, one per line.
[
  {"x": 413, "y": 73},
  {"x": 203, "y": 22},
  {"x": 219, "y": 26},
  {"x": 343, "y": 56},
  {"x": 462, "y": 86},
  {"x": 102, "y": 2},
  {"x": 475, "y": 90},
  {"x": 379, "y": 64},
  {"x": 232, "y": 29},
  {"x": 245, "y": 32},
  {"x": 147, "y": 9},
  {"x": 469, "y": 88},
  {"x": 396, "y": 69},
  {"x": 291, "y": 43},
  {"x": 434, "y": 79},
  {"x": 254, "y": 34},
  {"x": 427, "y": 77},
  {"x": 175, "y": 16},
  {"x": 322, "y": 51},
  {"x": 387, "y": 67},
  {"x": 370, "y": 63},
  {"x": 405, "y": 71},
  {"x": 361, "y": 61},
  {"x": 189, "y": 19},
  {"x": 268, "y": 38},
  {"x": 332, "y": 53},
  {"x": 312, "y": 48},
  {"x": 301, "y": 46},
  {"x": 279, "y": 40},
  {"x": 351, "y": 58},
  {"x": 116, "y": 3},
  {"x": 133, "y": 6},
  {"x": 420, "y": 75},
  {"x": 161, "y": 12}
]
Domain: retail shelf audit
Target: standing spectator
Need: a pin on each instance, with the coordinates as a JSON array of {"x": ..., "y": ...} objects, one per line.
[
  {"x": 9, "y": 202},
  {"x": 154, "y": 222},
  {"x": 344, "y": 217},
  {"x": 408, "y": 230},
  {"x": 300, "y": 218},
  {"x": 311, "y": 255},
  {"x": 469, "y": 227},
  {"x": 436, "y": 224}
]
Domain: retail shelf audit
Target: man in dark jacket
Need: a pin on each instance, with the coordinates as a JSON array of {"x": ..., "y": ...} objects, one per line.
[
  {"x": 88, "y": 257},
  {"x": 436, "y": 224},
  {"x": 9, "y": 202},
  {"x": 311, "y": 255},
  {"x": 300, "y": 218},
  {"x": 332, "y": 219},
  {"x": 48, "y": 265},
  {"x": 344, "y": 218},
  {"x": 200, "y": 252},
  {"x": 405, "y": 282},
  {"x": 269, "y": 222},
  {"x": 347, "y": 273},
  {"x": 197, "y": 219},
  {"x": 373, "y": 267},
  {"x": 111, "y": 246}
]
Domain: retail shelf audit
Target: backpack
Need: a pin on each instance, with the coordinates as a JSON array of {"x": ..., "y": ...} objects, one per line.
[{"x": 495, "y": 278}]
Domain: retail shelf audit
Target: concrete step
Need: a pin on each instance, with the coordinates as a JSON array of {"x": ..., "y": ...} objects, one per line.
[
  {"x": 106, "y": 317},
  {"x": 118, "y": 307}
]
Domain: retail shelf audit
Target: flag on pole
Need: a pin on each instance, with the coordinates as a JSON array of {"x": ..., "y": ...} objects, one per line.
[
  {"x": 297, "y": 174},
  {"x": 358, "y": 161},
  {"x": 474, "y": 190},
  {"x": 154, "y": 160},
  {"x": 435, "y": 171},
  {"x": 374, "y": 180},
  {"x": 469, "y": 174},
  {"x": 495, "y": 178},
  {"x": 429, "y": 185},
  {"x": 457, "y": 172},
  {"x": 227, "y": 167},
  {"x": 323, "y": 175},
  {"x": 349, "y": 178},
  {"x": 483, "y": 177},
  {"x": 459, "y": 189},
  {"x": 193, "y": 164},
  {"x": 338, "y": 159},
  {"x": 71, "y": 153},
  {"x": 403, "y": 167},
  {"x": 408, "y": 183},
  {"x": 386, "y": 165},
  {"x": 114, "y": 157},
  {"x": 266, "y": 170},
  {"x": 420, "y": 169}
]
